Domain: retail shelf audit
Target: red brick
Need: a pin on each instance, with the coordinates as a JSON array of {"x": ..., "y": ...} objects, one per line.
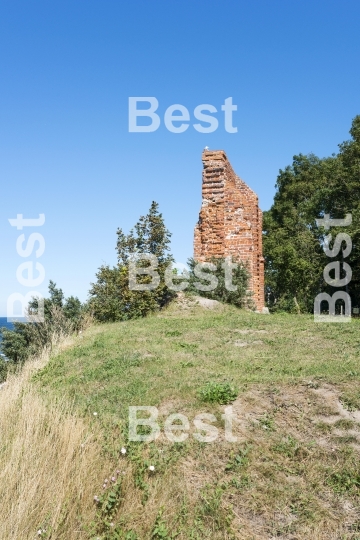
[{"x": 230, "y": 220}]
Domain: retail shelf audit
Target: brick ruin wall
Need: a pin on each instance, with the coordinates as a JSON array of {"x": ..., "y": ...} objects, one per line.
[{"x": 230, "y": 220}]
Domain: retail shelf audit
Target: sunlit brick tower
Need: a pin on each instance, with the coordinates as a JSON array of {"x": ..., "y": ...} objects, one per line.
[{"x": 230, "y": 220}]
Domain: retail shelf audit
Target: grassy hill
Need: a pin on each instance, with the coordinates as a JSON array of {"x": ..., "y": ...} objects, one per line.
[{"x": 293, "y": 472}]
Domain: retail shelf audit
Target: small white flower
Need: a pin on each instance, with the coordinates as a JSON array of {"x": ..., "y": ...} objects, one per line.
[
  {"x": 96, "y": 498},
  {"x": 106, "y": 481},
  {"x": 111, "y": 524},
  {"x": 104, "y": 486},
  {"x": 95, "y": 413},
  {"x": 123, "y": 451},
  {"x": 151, "y": 468},
  {"x": 113, "y": 479},
  {"x": 39, "y": 532}
]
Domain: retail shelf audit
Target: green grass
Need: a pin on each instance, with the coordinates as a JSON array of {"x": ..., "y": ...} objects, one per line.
[
  {"x": 141, "y": 362},
  {"x": 218, "y": 392},
  {"x": 351, "y": 399},
  {"x": 286, "y": 464}
]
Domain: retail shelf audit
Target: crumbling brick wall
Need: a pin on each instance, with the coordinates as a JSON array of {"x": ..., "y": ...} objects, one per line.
[{"x": 230, "y": 220}]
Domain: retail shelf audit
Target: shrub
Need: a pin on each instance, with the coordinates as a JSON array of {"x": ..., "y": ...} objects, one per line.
[
  {"x": 28, "y": 339},
  {"x": 241, "y": 297},
  {"x": 214, "y": 392},
  {"x": 14, "y": 344},
  {"x": 111, "y": 299},
  {"x": 61, "y": 317}
]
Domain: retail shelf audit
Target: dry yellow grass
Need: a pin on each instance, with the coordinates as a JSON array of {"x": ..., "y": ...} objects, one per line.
[{"x": 47, "y": 476}]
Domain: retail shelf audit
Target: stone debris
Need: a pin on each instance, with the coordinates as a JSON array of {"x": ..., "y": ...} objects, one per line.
[{"x": 207, "y": 302}]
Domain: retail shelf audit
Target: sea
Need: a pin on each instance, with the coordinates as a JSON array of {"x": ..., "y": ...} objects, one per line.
[
  {"x": 5, "y": 324},
  {"x": 9, "y": 326}
]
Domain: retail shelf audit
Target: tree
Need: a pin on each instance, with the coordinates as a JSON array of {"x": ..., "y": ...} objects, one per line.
[
  {"x": 293, "y": 243},
  {"x": 61, "y": 316},
  {"x": 343, "y": 197},
  {"x": 111, "y": 299},
  {"x": 294, "y": 259},
  {"x": 73, "y": 311}
]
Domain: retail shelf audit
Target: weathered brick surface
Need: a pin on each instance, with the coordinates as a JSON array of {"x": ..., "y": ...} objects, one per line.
[{"x": 230, "y": 220}]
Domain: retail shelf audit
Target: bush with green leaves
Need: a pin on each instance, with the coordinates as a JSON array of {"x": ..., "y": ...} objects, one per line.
[
  {"x": 16, "y": 344},
  {"x": 218, "y": 392},
  {"x": 62, "y": 316},
  {"x": 240, "y": 297},
  {"x": 111, "y": 299}
]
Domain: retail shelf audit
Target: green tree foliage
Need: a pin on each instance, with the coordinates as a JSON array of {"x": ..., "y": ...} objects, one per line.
[
  {"x": 240, "y": 297},
  {"x": 56, "y": 296},
  {"x": 71, "y": 308},
  {"x": 293, "y": 243},
  {"x": 61, "y": 316},
  {"x": 14, "y": 344},
  {"x": 111, "y": 299},
  {"x": 73, "y": 311}
]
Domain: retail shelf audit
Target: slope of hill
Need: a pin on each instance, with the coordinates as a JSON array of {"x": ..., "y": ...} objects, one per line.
[{"x": 292, "y": 472}]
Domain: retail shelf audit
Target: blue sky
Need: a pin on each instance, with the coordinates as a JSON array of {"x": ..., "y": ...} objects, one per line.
[{"x": 67, "y": 70}]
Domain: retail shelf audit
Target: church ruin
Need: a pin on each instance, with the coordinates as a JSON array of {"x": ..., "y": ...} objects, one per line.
[{"x": 230, "y": 220}]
